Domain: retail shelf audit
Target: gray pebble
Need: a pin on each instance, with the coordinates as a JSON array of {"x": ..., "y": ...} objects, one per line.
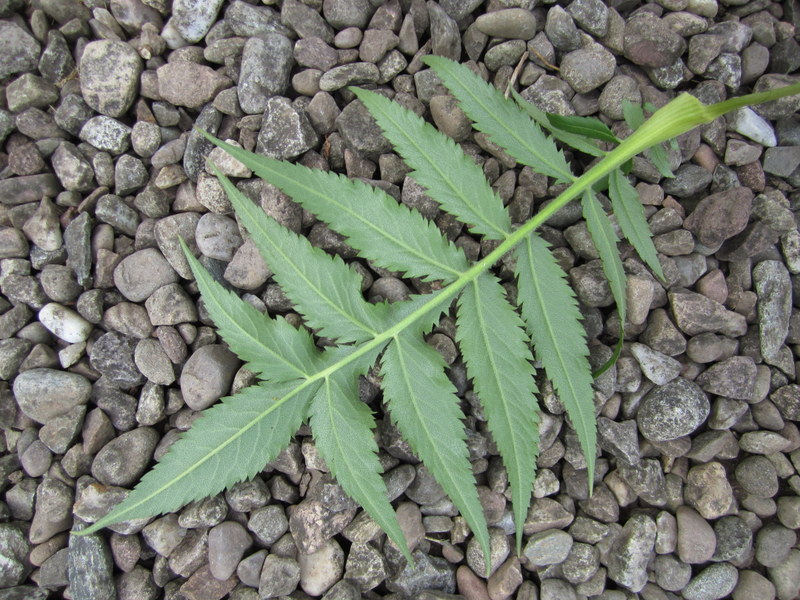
[
  {"x": 321, "y": 569},
  {"x": 305, "y": 21},
  {"x": 549, "y": 547},
  {"x": 588, "y": 68},
  {"x": 153, "y": 362},
  {"x": 365, "y": 566},
  {"x": 128, "y": 319},
  {"x": 105, "y": 133},
  {"x": 266, "y": 65},
  {"x": 207, "y": 376},
  {"x": 251, "y": 21},
  {"x": 712, "y": 583},
  {"x": 112, "y": 355},
  {"x": 170, "y": 305},
  {"x": 110, "y": 76},
  {"x": 512, "y": 23},
  {"x": 227, "y": 543},
  {"x": 19, "y": 50},
  {"x": 193, "y": 18},
  {"x": 90, "y": 568},
  {"x": 143, "y": 272},
  {"x": 358, "y": 73},
  {"x": 630, "y": 553},
  {"x": 657, "y": 367},
  {"x": 189, "y": 84},
  {"x": 671, "y": 574},
  {"x": 43, "y": 394},
  {"x": 347, "y": 13},
  {"x": 123, "y": 460},
  {"x": 285, "y": 132},
  {"x": 72, "y": 169},
  {"x": 53, "y": 512},
  {"x": 279, "y": 576},
  {"x": 773, "y": 286}
]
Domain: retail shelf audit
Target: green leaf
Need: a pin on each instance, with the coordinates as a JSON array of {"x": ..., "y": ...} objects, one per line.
[
  {"x": 585, "y": 126},
  {"x": 230, "y": 442},
  {"x": 578, "y": 142},
  {"x": 605, "y": 240},
  {"x": 501, "y": 119},
  {"x": 631, "y": 219},
  {"x": 342, "y": 427},
  {"x": 492, "y": 339},
  {"x": 634, "y": 117},
  {"x": 385, "y": 232},
  {"x": 271, "y": 347},
  {"x": 553, "y": 320},
  {"x": 424, "y": 407},
  {"x": 439, "y": 165},
  {"x": 322, "y": 287}
]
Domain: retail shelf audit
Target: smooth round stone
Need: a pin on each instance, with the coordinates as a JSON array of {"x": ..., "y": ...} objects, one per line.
[
  {"x": 512, "y": 23},
  {"x": 43, "y": 394},
  {"x": 549, "y": 547},
  {"x": 65, "y": 323},
  {"x": 696, "y": 539},
  {"x": 207, "y": 376},
  {"x": 218, "y": 236},
  {"x": 123, "y": 460},
  {"x": 321, "y": 569},
  {"x": 142, "y": 273},
  {"x": 227, "y": 543},
  {"x": 773, "y": 544},
  {"x": 712, "y": 583},
  {"x": 757, "y": 476},
  {"x": 153, "y": 362},
  {"x": 672, "y": 411},
  {"x": 753, "y": 586},
  {"x": 588, "y": 68}
]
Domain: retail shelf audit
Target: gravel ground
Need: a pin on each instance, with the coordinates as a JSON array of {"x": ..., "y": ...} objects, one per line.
[{"x": 105, "y": 354}]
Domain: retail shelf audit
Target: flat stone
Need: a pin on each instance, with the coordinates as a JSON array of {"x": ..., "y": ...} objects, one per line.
[
  {"x": 549, "y": 547},
  {"x": 712, "y": 583},
  {"x": 734, "y": 377},
  {"x": 112, "y": 355},
  {"x": 43, "y": 394},
  {"x": 189, "y": 84},
  {"x": 587, "y": 68},
  {"x": 358, "y": 73},
  {"x": 720, "y": 216},
  {"x": 695, "y": 313},
  {"x": 106, "y": 134},
  {"x": 143, "y": 272},
  {"x": 511, "y": 23}
]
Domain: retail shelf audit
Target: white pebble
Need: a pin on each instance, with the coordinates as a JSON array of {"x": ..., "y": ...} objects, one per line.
[
  {"x": 65, "y": 323},
  {"x": 747, "y": 122}
]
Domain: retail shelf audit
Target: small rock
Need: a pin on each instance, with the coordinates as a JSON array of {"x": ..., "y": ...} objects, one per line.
[
  {"x": 696, "y": 539},
  {"x": 14, "y": 548},
  {"x": 227, "y": 543},
  {"x": 712, "y": 583},
  {"x": 43, "y": 394},
  {"x": 631, "y": 551},
  {"x": 90, "y": 568},
  {"x": 694, "y": 313},
  {"x": 19, "y": 51},
  {"x": 142, "y": 273},
  {"x": 321, "y": 569},
  {"x": 773, "y": 285},
  {"x": 649, "y": 41},
  {"x": 189, "y": 84},
  {"x": 112, "y": 355},
  {"x": 285, "y": 131},
  {"x": 123, "y": 460},
  {"x": 109, "y": 78},
  {"x": 279, "y": 576},
  {"x": 751, "y": 125},
  {"x": 548, "y": 547},
  {"x": 431, "y": 573},
  {"x": 708, "y": 490},
  {"x": 266, "y": 66},
  {"x": 106, "y": 134},
  {"x": 757, "y": 476},
  {"x": 587, "y": 68},
  {"x": 672, "y": 411},
  {"x": 193, "y": 18},
  {"x": 657, "y": 367},
  {"x": 511, "y": 23},
  {"x": 207, "y": 376},
  {"x": 720, "y": 216}
]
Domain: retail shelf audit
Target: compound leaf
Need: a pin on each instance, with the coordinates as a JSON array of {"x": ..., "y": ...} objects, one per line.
[
  {"x": 631, "y": 219},
  {"x": 423, "y": 405},
  {"x": 322, "y": 287},
  {"x": 384, "y": 231},
  {"x": 501, "y": 119},
  {"x": 492, "y": 339},
  {"x": 342, "y": 427},
  {"x": 605, "y": 240},
  {"x": 230, "y": 442},
  {"x": 439, "y": 164},
  {"x": 553, "y": 320},
  {"x": 271, "y": 347}
]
